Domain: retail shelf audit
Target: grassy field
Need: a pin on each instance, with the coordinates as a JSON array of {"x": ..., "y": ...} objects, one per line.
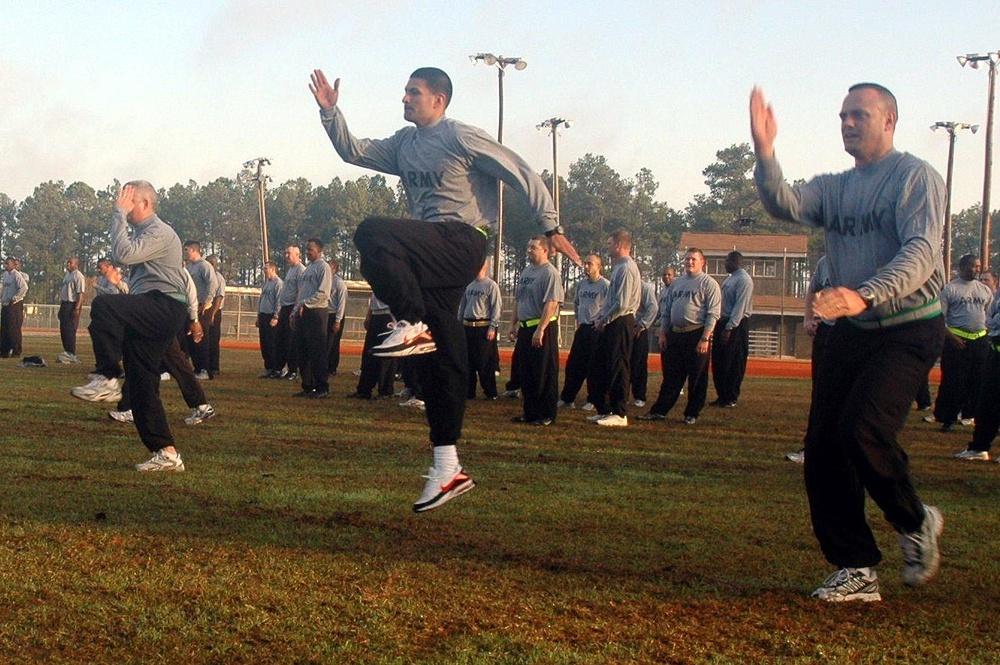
[{"x": 290, "y": 538}]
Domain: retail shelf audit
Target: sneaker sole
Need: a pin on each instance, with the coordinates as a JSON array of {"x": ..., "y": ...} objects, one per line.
[
  {"x": 401, "y": 351},
  {"x": 164, "y": 469},
  {"x": 863, "y": 597},
  {"x": 444, "y": 497},
  {"x": 935, "y": 562},
  {"x": 109, "y": 396}
]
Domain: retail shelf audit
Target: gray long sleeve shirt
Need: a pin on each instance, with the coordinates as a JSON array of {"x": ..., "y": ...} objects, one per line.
[
  {"x": 883, "y": 224},
  {"x": 293, "y": 281},
  {"x": 449, "y": 170},
  {"x": 965, "y": 303},
  {"x": 337, "y": 305},
  {"x": 153, "y": 251},
  {"x": 105, "y": 287},
  {"x": 737, "y": 294},
  {"x": 624, "y": 291},
  {"x": 317, "y": 281},
  {"x": 205, "y": 280},
  {"x": 646, "y": 314},
  {"x": 589, "y": 299},
  {"x": 72, "y": 287},
  {"x": 480, "y": 301},
  {"x": 269, "y": 296},
  {"x": 14, "y": 288},
  {"x": 693, "y": 300}
]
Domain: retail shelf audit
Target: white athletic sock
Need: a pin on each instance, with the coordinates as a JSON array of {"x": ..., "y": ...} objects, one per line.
[{"x": 446, "y": 459}]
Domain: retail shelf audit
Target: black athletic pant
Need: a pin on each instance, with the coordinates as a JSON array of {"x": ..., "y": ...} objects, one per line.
[
  {"x": 179, "y": 367},
  {"x": 376, "y": 371},
  {"x": 420, "y": 270},
  {"x": 864, "y": 386},
  {"x": 286, "y": 350},
  {"x": 681, "y": 362},
  {"x": 333, "y": 345},
  {"x": 924, "y": 395},
  {"x": 69, "y": 322},
  {"x": 138, "y": 329},
  {"x": 11, "y": 321},
  {"x": 199, "y": 350},
  {"x": 514, "y": 382},
  {"x": 960, "y": 378},
  {"x": 539, "y": 371},
  {"x": 480, "y": 360},
  {"x": 214, "y": 335},
  {"x": 609, "y": 371},
  {"x": 819, "y": 347},
  {"x": 638, "y": 365},
  {"x": 729, "y": 360},
  {"x": 268, "y": 337},
  {"x": 988, "y": 410},
  {"x": 578, "y": 362},
  {"x": 313, "y": 362}
]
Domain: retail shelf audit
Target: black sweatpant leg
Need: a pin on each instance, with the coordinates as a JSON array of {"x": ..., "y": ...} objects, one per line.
[
  {"x": 420, "y": 270},
  {"x": 729, "y": 360},
  {"x": 610, "y": 368},
  {"x": 638, "y": 366},
  {"x": 987, "y": 409},
  {"x": 960, "y": 378},
  {"x": 578, "y": 362},
  {"x": 313, "y": 362},
  {"x": 375, "y": 370},
  {"x": 142, "y": 326},
  {"x": 179, "y": 367},
  {"x": 333, "y": 345},
  {"x": 11, "y": 322},
  {"x": 864, "y": 386},
  {"x": 268, "y": 337},
  {"x": 286, "y": 349},
  {"x": 480, "y": 350},
  {"x": 539, "y": 373},
  {"x": 69, "y": 322}
]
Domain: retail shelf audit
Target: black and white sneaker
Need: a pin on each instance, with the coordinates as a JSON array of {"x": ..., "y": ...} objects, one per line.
[
  {"x": 441, "y": 488},
  {"x": 849, "y": 584},
  {"x": 405, "y": 339},
  {"x": 921, "y": 556}
]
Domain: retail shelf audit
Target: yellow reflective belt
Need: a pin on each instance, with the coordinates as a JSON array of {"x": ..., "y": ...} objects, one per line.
[
  {"x": 966, "y": 335},
  {"x": 534, "y": 322}
]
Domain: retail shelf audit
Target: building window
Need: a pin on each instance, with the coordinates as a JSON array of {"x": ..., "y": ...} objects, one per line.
[
  {"x": 765, "y": 268},
  {"x": 715, "y": 266}
]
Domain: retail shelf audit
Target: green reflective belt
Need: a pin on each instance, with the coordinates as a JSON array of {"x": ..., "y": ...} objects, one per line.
[
  {"x": 925, "y": 311},
  {"x": 957, "y": 332},
  {"x": 531, "y": 323},
  {"x": 483, "y": 230},
  {"x": 995, "y": 344}
]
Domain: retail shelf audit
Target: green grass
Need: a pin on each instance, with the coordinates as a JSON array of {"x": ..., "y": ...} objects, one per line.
[{"x": 290, "y": 538}]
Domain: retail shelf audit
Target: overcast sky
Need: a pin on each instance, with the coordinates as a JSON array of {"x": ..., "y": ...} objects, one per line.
[{"x": 178, "y": 91}]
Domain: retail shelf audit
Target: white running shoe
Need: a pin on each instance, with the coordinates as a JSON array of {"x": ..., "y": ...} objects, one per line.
[
  {"x": 161, "y": 461},
  {"x": 121, "y": 416},
  {"x": 565, "y": 405},
  {"x": 690, "y": 420},
  {"x": 414, "y": 402},
  {"x": 929, "y": 419},
  {"x": 405, "y": 339},
  {"x": 594, "y": 418},
  {"x": 202, "y": 375},
  {"x": 100, "y": 389},
  {"x": 613, "y": 420},
  {"x": 200, "y": 415},
  {"x": 165, "y": 376},
  {"x": 639, "y": 403},
  {"x": 798, "y": 457},
  {"x": 968, "y": 422},
  {"x": 587, "y": 407},
  {"x": 849, "y": 584},
  {"x": 975, "y": 455},
  {"x": 511, "y": 394},
  {"x": 921, "y": 557},
  {"x": 440, "y": 489}
]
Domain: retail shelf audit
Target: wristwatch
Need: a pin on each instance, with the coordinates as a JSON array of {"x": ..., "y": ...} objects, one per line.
[
  {"x": 558, "y": 231},
  {"x": 867, "y": 295}
]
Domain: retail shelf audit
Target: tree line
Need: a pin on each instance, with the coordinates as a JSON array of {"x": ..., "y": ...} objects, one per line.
[{"x": 58, "y": 221}]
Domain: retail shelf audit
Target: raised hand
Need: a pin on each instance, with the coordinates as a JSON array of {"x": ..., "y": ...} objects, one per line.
[
  {"x": 325, "y": 94},
  {"x": 126, "y": 199},
  {"x": 562, "y": 245},
  {"x": 763, "y": 126}
]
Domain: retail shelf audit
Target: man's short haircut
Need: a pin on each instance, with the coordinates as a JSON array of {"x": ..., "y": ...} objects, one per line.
[
  {"x": 621, "y": 237},
  {"x": 271, "y": 264},
  {"x": 695, "y": 250},
  {"x": 193, "y": 243},
  {"x": 104, "y": 261},
  {"x": 888, "y": 99},
  {"x": 543, "y": 241},
  {"x": 144, "y": 190},
  {"x": 315, "y": 241},
  {"x": 437, "y": 81},
  {"x": 597, "y": 259},
  {"x": 735, "y": 256},
  {"x": 334, "y": 265},
  {"x": 967, "y": 261}
]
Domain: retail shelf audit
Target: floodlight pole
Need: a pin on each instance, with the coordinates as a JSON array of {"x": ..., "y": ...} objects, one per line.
[
  {"x": 973, "y": 60},
  {"x": 952, "y": 128},
  {"x": 261, "y": 181},
  {"x": 501, "y": 63}
]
